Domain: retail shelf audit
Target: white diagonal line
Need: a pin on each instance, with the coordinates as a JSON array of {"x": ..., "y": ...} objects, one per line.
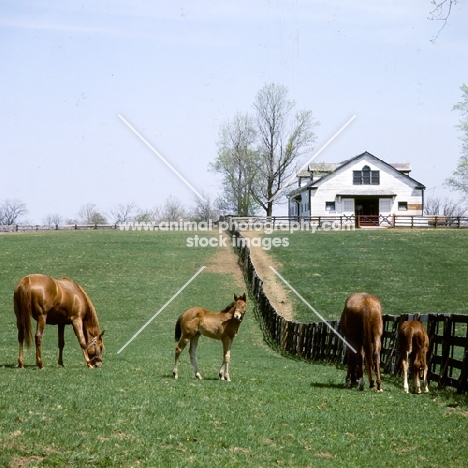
[
  {"x": 161, "y": 157},
  {"x": 313, "y": 310},
  {"x": 161, "y": 309},
  {"x": 285, "y": 186}
]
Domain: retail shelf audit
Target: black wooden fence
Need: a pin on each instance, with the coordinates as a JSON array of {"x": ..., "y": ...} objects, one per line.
[{"x": 448, "y": 335}]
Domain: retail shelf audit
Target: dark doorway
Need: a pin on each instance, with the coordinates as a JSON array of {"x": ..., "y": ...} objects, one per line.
[{"x": 367, "y": 211}]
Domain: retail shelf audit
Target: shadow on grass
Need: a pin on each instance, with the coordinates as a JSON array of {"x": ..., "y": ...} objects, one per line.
[{"x": 338, "y": 386}]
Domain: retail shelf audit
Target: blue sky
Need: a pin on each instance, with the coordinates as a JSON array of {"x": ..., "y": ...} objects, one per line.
[{"x": 177, "y": 70}]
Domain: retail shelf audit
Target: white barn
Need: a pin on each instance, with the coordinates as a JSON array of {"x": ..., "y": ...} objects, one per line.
[{"x": 363, "y": 187}]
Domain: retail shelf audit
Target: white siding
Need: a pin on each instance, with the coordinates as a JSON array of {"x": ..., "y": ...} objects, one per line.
[{"x": 401, "y": 187}]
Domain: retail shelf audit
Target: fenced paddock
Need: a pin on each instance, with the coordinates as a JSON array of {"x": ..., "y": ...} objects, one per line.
[{"x": 316, "y": 341}]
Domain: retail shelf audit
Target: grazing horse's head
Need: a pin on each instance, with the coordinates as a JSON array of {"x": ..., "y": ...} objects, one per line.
[
  {"x": 419, "y": 365},
  {"x": 94, "y": 349},
  {"x": 240, "y": 304}
]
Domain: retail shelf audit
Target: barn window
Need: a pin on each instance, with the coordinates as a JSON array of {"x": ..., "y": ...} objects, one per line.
[
  {"x": 330, "y": 206},
  {"x": 402, "y": 206},
  {"x": 366, "y": 177},
  {"x": 348, "y": 205}
]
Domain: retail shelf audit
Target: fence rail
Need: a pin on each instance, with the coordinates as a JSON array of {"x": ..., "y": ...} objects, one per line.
[
  {"x": 448, "y": 334},
  {"x": 343, "y": 221},
  {"x": 54, "y": 227},
  {"x": 273, "y": 222}
]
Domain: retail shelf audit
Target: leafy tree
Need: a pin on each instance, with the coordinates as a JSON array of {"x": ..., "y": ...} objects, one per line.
[
  {"x": 459, "y": 179},
  {"x": 144, "y": 216}
]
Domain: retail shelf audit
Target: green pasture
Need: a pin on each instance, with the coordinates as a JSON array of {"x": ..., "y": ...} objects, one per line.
[
  {"x": 410, "y": 271},
  {"x": 276, "y": 411}
]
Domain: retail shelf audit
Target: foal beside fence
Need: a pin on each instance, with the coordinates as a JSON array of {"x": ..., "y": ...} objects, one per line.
[{"x": 414, "y": 344}]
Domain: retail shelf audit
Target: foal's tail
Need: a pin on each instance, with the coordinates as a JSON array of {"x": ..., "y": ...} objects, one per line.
[
  {"x": 22, "y": 305},
  {"x": 178, "y": 329}
]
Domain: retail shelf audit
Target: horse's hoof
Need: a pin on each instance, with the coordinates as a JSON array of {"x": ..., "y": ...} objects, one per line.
[
  {"x": 198, "y": 376},
  {"x": 380, "y": 390}
]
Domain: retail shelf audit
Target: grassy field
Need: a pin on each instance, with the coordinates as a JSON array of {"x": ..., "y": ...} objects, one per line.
[
  {"x": 409, "y": 270},
  {"x": 275, "y": 412}
]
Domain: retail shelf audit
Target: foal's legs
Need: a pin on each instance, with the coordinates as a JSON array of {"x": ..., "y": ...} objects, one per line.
[
  {"x": 426, "y": 386},
  {"x": 374, "y": 360},
  {"x": 224, "y": 370},
  {"x": 404, "y": 364},
  {"x": 178, "y": 350},
  {"x": 193, "y": 360},
  {"x": 61, "y": 342}
]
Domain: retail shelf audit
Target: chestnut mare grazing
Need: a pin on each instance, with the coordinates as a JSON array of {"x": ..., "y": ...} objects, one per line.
[
  {"x": 362, "y": 325},
  {"x": 414, "y": 344},
  {"x": 221, "y": 326},
  {"x": 56, "y": 302}
]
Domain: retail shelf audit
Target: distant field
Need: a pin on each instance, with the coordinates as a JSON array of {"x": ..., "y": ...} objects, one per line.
[
  {"x": 409, "y": 270},
  {"x": 275, "y": 412}
]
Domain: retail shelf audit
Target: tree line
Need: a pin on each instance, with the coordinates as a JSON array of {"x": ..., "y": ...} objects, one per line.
[{"x": 13, "y": 211}]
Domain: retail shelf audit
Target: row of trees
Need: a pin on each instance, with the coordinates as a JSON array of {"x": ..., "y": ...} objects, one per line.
[{"x": 12, "y": 211}]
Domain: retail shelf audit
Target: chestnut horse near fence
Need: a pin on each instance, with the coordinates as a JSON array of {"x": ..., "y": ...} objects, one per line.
[
  {"x": 414, "y": 344},
  {"x": 221, "y": 326},
  {"x": 362, "y": 325},
  {"x": 56, "y": 302}
]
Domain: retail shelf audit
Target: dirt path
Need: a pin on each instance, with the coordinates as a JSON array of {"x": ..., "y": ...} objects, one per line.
[
  {"x": 273, "y": 286},
  {"x": 225, "y": 261}
]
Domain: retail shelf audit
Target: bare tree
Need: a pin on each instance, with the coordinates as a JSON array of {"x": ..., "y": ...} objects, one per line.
[
  {"x": 205, "y": 210},
  {"x": 444, "y": 207},
  {"x": 124, "y": 212},
  {"x": 11, "y": 211},
  {"x": 432, "y": 206},
  {"x": 53, "y": 219},
  {"x": 173, "y": 210},
  {"x": 283, "y": 138},
  {"x": 441, "y": 12},
  {"x": 88, "y": 214}
]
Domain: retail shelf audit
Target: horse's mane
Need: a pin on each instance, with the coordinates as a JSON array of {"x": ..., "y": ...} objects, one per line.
[
  {"x": 228, "y": 308},
  {"x": 91, "y": 320}
]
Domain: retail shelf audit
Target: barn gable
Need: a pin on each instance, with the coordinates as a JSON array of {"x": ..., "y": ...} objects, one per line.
[{"x": 363, "y": 186}]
